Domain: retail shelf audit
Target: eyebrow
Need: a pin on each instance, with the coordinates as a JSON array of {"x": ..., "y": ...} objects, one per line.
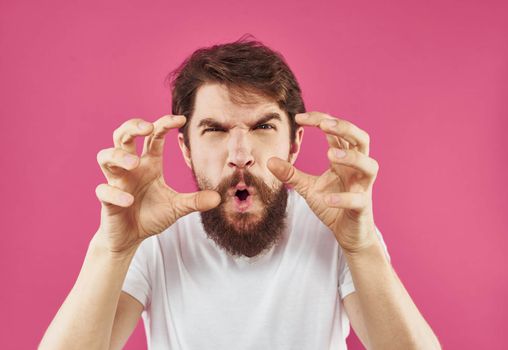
[{"x": 212, "y": 123}]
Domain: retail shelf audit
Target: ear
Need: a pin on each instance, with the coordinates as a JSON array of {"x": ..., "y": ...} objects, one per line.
[
  {"x": 185, "y": 150},
  {"x": 295, "y": 147}
]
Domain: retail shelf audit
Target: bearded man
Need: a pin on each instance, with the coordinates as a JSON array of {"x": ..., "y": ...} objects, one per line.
[{"x": 263, "y": 256}]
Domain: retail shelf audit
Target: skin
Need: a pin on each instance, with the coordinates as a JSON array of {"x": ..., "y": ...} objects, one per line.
[
  {"x": 342, "y": 196},
  {"x": 241, "y": 137}
]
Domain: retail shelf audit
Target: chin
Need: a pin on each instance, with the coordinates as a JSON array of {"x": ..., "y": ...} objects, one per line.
[{"x": 244, "y": 221}]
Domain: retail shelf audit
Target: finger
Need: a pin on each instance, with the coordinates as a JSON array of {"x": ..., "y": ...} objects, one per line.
[
  {"x": 154, "y": 143},
  {"x": 337, "y": 142},
  {"x": 114, "y": 162},
  {"x": 348, "y": 157},
  {"x": 287, "y": 173},
  {"x": 347, "y": 200},
  {"x": 125, "y": 135},
  {"x": 112, "y": 196},
  {"x": 355, "y": 136},
  {"x": 186, "y": 203}
]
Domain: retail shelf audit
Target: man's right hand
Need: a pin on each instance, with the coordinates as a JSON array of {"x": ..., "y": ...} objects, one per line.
[{"x": 136, "y": 202}]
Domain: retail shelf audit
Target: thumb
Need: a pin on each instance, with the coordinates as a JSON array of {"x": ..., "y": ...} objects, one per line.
[
  {"x": 186, "y": 203},
  {"x": 287, "y": 173}
]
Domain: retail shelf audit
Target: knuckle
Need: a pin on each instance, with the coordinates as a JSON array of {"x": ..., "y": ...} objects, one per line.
[
  {"x": 118, "y": 154},
  {"x": 120, "y": 132},
  {"x": 122, "y": 138},
  {"x": 344, "y": 126},
  {"x": 319, "y": 114},
  {"x": 119, "y": 129},
  {"x": 117, "y": 134},
  {"x": 159, "y": 127},
  {"x": 367, "y": 138},
  {"x": 376, "y": 166},
  {"x": 135, "y": 121},
  {"x": 132, "y": 123},
  {"x": 100, "y": 156},
  {"x": 166, "y": 119}
]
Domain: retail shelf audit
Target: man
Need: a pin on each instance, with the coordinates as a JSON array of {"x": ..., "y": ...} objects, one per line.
[{"x": 264, "y": 255}]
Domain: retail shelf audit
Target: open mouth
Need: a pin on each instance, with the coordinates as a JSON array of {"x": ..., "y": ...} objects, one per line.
[
  {"x": 243, "y": 198},
  {"x": 242, "y": 195}
]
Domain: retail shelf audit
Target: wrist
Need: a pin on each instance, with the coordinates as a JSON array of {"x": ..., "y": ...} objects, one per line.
[
  {"x": 99, "y": 246},
  {"x": 373, "y": 248}
]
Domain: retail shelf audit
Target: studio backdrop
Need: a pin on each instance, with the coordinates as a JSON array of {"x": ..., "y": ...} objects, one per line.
[{"x": 427, "y": 80}]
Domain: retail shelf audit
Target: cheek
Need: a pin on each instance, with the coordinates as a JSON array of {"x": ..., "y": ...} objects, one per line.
[
  {"x": 208, "y": 165},
  {"x": 272, "y": 147},
  {"x": 267, "y": 149}
]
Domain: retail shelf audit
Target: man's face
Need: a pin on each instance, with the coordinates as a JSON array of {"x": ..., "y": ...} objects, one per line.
[{"x": 230, "y": 144}]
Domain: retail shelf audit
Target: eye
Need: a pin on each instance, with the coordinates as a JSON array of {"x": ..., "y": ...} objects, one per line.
[
  {"x": 212, "y": 130},
  {"x": 264, "y": 126}
]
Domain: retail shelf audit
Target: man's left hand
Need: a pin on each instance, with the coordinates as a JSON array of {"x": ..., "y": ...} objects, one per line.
[{"x": 342, "y": 196}]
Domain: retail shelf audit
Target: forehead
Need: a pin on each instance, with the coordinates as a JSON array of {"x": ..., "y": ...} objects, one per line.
[{"x": 227, "y": 105}]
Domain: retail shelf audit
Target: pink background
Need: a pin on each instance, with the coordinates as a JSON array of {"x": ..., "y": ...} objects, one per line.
[{"x": 428, "y": 81}]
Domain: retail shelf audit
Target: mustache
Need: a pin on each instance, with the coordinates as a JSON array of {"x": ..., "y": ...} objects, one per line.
[{"x": 265, "y": 193}]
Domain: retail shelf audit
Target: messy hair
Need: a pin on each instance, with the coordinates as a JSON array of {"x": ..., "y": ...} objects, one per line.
[{"x": 247, "y": 68}]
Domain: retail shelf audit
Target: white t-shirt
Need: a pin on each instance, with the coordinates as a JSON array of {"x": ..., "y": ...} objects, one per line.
[{"x": 196, "y": 296}]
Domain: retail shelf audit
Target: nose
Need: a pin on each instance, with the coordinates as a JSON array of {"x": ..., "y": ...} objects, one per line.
[{"x": 239, "y": 151}]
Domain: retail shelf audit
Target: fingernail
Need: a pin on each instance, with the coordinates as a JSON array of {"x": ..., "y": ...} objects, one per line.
[
  {"x": 330, "y": 122},
  {"x": 143, "y": 125},
  {"x": 303, "y": 115},
  {"x": 124, "y": 198},
  {"x": 339, "y": 153}
]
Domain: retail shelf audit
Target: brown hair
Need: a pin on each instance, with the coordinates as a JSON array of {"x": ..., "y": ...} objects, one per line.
[{"x": 246, "y": 67}]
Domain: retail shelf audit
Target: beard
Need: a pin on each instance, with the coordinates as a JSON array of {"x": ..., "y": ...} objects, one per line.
[{"x": 240, "y": 233}]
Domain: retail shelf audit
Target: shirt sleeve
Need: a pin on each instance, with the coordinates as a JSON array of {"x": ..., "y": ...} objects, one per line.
[
  {"x": 137, "y": 282},
  {"x": 346, "y": 285}
]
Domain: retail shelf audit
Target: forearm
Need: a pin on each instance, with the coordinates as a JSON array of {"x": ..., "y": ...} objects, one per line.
[
  {"x": 391, "y": 318},
  {"x": 85, "y": 319}
]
